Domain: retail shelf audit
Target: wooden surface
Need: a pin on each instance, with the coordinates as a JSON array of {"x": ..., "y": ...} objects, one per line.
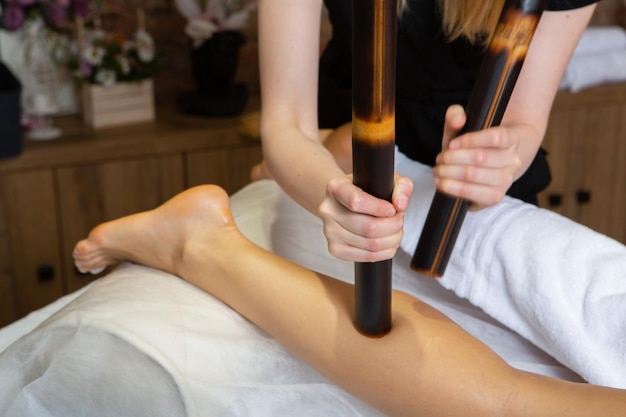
[
  {"x": 169, "y": 133},
  {"x": 56, "y": 191}
]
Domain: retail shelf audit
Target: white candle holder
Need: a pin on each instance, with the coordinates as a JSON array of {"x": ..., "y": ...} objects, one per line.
[{"x": 40, "y": 124}]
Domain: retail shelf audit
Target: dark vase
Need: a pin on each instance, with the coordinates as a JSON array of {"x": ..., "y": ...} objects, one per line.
[
  {"x": 214, "y": 66},
  {"x": 10, "y": 111}
]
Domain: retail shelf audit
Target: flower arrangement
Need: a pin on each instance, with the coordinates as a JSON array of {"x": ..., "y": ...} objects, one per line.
[
  {"x": 205, "y": 17},
  {"x": 55, "y": 13},
  {"x": 105, "y": 58}
]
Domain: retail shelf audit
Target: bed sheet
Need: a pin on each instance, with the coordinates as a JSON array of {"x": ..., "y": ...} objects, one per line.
[{"x": 143, "y": 342}]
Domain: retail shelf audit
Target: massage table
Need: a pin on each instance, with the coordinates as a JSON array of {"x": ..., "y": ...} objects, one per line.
[{"x": 143, "y": 342}]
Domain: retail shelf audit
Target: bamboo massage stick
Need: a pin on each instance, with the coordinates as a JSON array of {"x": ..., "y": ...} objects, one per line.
[
  {"x": 494, "y": 84},
  {"x": 373, "y": 142}
]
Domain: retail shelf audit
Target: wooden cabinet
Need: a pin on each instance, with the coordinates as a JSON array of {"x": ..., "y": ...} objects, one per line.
[
  {"x": 89, "y": 194},
  {"x": 56, "y": 191},
  {"x": 586, "y": 144},
  {"x": 31, "y": 242}
]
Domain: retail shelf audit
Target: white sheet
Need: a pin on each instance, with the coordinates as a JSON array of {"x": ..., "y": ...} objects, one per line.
[{"x": 143, "y": 339}]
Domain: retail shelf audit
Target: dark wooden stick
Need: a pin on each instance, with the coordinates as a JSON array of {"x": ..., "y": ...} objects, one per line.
[
  {"x": 373, "y": 142},
  {"x": 491, "y": 93}
]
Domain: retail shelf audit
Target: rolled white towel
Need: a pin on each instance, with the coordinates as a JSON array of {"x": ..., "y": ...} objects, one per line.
[
  {"x": 593, "y": 69},
  {"x": 557, "y": 283},
  {"x": 601, "y": 38}
]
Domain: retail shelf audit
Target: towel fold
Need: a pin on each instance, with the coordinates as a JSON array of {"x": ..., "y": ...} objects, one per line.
[
  {"x": 593, "y": 69},
  {"x": 559, "y": 284}
]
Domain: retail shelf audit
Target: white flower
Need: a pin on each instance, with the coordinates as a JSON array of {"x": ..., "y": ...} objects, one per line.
[
  {"x": 200, "y": 30},
  {"x": 188, "y": 8},
  {"x": 94, "y": 35},
  {"x": 94, "y": 54},
  {"x": 215, "y": 10},
  {"x": 145, "y": 45},
  {"x": 237, "y": 20},
  {"x": 205, "y": 17},
  {"x": 105, "y": 77},
  {"x": 124, "y": 64}
]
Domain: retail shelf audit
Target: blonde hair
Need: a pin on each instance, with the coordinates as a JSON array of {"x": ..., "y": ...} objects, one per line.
[{"x": 475, "y": 20}]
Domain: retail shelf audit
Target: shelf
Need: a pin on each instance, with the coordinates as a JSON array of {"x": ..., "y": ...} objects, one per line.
[{"x": 171, "y": 132}]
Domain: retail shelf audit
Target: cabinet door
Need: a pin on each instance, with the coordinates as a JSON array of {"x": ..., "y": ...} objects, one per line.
[
  {"x": 586, "y": 148},
  {"x": 226, "y": 167},
  {"x": 7, "y": 287},
  {"x": 92, "y": 194},
  {"x": 30, "y": 260},
  {"x": 561, "y": 157},
  {"x": 601, "y": 187}
]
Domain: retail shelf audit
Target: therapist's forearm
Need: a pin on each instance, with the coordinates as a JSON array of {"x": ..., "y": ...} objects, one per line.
[{"x": 302, "y": 166}]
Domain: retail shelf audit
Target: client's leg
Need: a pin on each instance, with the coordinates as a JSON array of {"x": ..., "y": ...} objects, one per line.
[{"x": 426, "y": 365}]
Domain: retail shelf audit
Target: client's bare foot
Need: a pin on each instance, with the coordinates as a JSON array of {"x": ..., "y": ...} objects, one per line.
[{"x": 196, "y": 220}]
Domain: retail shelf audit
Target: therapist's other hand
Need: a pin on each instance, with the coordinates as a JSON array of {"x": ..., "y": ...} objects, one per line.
[
  {"x": 360, "y": 227},
  {"x": 477, "y": 166}
]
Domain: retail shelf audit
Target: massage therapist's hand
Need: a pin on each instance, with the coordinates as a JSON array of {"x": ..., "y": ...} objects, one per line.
[
  {"x": 478, "y": 166},
  {"x": 360, "y": 227}
]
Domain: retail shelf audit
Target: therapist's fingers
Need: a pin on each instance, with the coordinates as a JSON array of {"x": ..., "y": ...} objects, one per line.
[
  {"x": 493, "y": 177},
  {"x": 354, "y": 199},
  {"x": 358, "y": 248},
  {"x": 402, "y": 190},
  {"x": 358, "y": 226},
  {"x": 479, "y": 166},
  {"x": 454, "y": 122},
  {"x": 480, "y": 195},
  {"x": 498, "y": 137}
]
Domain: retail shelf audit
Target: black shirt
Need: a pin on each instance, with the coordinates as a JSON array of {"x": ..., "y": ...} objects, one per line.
[{"x": 432, "y": 74}]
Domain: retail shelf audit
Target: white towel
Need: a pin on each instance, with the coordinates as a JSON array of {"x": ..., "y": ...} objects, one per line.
[
  {"x": 557, "y": 283},
  {"x": 594, "y": 69},
  {"x": 601, "y": 38}
]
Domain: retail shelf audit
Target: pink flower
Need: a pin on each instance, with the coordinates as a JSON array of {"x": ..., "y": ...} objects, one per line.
[
  {"x": 85, "y": 69},
  {"x": 13, "y": 13},
  {"x": 13, "y": 17},
  {"x": 55, "y": 14},
  {"x": 81, "y": 7}
]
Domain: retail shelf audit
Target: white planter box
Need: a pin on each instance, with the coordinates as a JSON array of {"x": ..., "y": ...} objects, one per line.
[{"x": 119, "y": 104}]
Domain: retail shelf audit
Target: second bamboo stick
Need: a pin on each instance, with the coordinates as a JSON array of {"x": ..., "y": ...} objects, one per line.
[{"x": 490, "y": 96}]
